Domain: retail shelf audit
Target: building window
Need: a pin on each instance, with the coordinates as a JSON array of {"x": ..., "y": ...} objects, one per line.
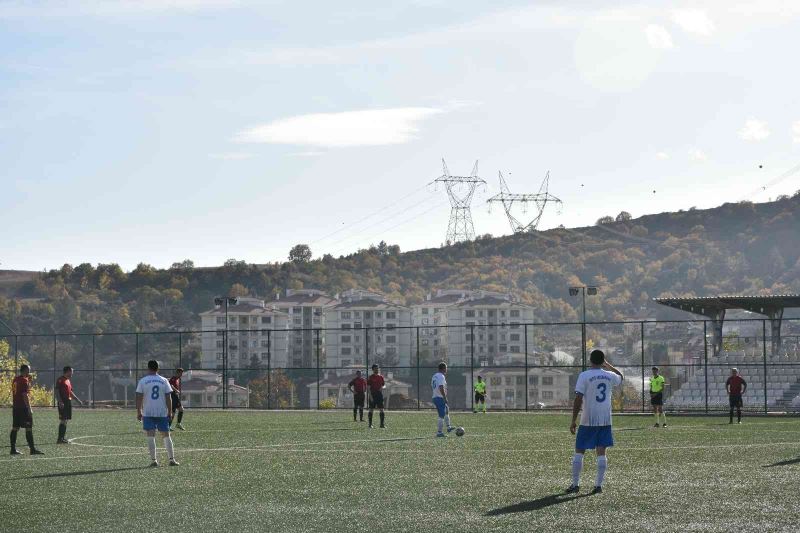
[
  {"x": 346, "y": 339},
  {"x": 515, "y": 349},
  {"x": 502, "y": 313},
  {"x": 264, "y": 356},
  {"x": 345, "y": 326},
  {"x": 491, "y": 313},
  {"x": 547, "y": 395},
  {"x": 548, "y": 380},
  {"x": 496, "y": 381},
  {"x": 424, "y": 311},
  {"x": 264, "y": 344},
  {"x": 470, "y": 313},
  {"x": 266, "y": 320},
  {"x": 390, "y": 326},
  {"x": 345, "y": 315},
  {"x": 424, "y": 342},
  {"x": 515, "y": 336},
  {"x": 510, "y": 396},
  {"x": 520, "y": 380},
  {"x": 468, "y": 337},
  {"x": 346, "y": 350},
  {"x": 243, "y": 320},
  {"x": 391, "y": 315},
  {"x": 367, "y": 315},
  {"x": 220, "y": 332},
  {"x": 514, "y": 313},
  {"x": 378, "y": 314},
  {"x": 357, "y": 325},
  {"x": 391, "y": 350},
  {"x": 219, "y": 356},
  {"x": 509, "y": 380},
  {"x": 219, "y": 344},
  {"x": 298, "y": 321},
  {"x": 533, "y": 380},
  {"x": 514, "y": 325},
  {"x": 297, "y": 310},
  {"x": 346, "y": 362},
  {"x": 220, "y": 320},
  {"x": 391, "y": 339}
]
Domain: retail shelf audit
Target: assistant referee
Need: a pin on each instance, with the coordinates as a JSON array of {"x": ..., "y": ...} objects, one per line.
[{"x": 657, "y": 383}]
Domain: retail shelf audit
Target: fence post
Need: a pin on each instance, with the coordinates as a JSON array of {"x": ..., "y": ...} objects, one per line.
[
  {"x": 318, "y": 374},
  {"x": 366, "y": 346},
  {"x": 764, "y": 350},
  {"x": 55, "y": 348},
  {"x": 180, "y": 349},
  {"x": 419, "y": 385},
  {"x": 136, "y": 370},
  {"x": 641, "y": 335},
  {"x": 705, "y": 359},
  {"x": 225, "y": 349},
  {"x": 16, "y": 354},
  {"x": 269, "y": 369},
  {"x": 526, "y": 366},
  {"x": 94, "y": 366},
  {"x": 472, "y": 366}
]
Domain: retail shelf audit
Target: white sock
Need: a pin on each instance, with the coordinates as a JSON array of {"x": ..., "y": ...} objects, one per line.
[
  {"x": 441, "y": 425},
  {"x": 602, "y": 464},
  {"x": 151, "y": 445},
  {"x": 447, "y": 420},
  {"x": 170, "y": 449},
  {"x": 577, "y": 466},
  {"x": 664, "y": 417}
]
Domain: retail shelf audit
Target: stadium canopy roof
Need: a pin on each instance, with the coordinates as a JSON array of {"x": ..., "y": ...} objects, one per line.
[{"x": 714, "y": 307}]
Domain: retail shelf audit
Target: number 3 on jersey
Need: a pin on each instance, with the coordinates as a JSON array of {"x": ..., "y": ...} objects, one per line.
[
  {"x": 601, "y": 387},
  {"x": 155, "y": 393}
]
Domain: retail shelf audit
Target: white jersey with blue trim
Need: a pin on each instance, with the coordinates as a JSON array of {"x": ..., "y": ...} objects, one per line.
[
  {"x": 154, "y": 389},
  {"x": 438, "y": 380},
  {"x": 595, "y": 385}
]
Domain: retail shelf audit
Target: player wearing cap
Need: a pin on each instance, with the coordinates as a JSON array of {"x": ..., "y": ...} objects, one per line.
[
  {"x": 480, "y": 394},
  {"x": 593, "y": 395},
  {"x": 657, "y": 396},
  {"x": 154, "y": 410},
  {"x": 376, "y": 385},
  {"x": 736, "y": 387},
  {"x": 65, "y": 396},
  {"x": 358, "y": 388}
]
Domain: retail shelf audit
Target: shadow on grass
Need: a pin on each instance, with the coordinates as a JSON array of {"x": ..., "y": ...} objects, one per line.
[
  {"x": 83, "y": 473},
  {"x": 536, "y": 505},
  {"x": 337, "y": 429},
  {"x": 631, "y": 429},
  {"x": 787, "y": 462}
]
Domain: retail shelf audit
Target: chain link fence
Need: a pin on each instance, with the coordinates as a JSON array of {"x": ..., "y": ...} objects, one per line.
[{"x": 525, "y": 366}]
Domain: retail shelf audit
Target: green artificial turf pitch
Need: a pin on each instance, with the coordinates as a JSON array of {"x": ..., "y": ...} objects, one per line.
[{"x": 320, "y": 471}]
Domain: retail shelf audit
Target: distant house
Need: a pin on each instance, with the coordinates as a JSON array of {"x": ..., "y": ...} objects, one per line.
[
  {"x": 334, "y": 385},
  {"x": 201, "y": 388}
]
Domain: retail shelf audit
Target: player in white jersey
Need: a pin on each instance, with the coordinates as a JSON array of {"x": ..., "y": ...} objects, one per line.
[
  {"x": 154, "y": 410},
  {"x": 439, "y": 389},
  {"x": 593, "y": 394}
]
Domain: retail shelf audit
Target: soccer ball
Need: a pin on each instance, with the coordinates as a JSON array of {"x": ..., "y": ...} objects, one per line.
[{"x": 460, "y": 431}]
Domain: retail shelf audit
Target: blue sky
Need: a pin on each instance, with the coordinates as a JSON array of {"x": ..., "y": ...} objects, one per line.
[{"x": 157, "y": 131}]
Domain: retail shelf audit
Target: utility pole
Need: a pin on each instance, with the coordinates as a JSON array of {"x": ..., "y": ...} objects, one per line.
[{"x": 460, "y": 190}]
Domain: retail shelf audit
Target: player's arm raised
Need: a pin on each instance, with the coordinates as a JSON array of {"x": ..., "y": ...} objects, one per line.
[
  {"x": 611, "y": 368},
  {"x": 576, "y": 409}
]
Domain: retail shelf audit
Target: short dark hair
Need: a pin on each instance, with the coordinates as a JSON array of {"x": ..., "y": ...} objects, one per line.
[
  {"x": 24, "y": 368},
  {"x": 442, "y": 366},
  {"x": 597, "y": 357},
  {"x": 655, "y": 368},
  {"x": 152, "y": 364},
  {"x": 374, "y": 367},
  {"x": 480, "y": 377},
  {"x": 358, "y": 371},
  {"x": 67, "y": 369},
  {"x": 179, "y": 369}
]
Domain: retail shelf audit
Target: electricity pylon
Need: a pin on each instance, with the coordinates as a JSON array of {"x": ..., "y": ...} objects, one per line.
[
  {"x": 460, "y": 190},
  {"x": 508, "y": 199}
]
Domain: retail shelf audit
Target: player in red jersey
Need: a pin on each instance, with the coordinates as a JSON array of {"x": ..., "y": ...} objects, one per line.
[
  {"x": 175, "y": 383},
  {"x": 376, "y": 385},
  {"x": 21, "y": 410},
  {"x": 358, "y": 387},
  {"x": 736, "y": 387},
  {"x": 65, "y": 396}
]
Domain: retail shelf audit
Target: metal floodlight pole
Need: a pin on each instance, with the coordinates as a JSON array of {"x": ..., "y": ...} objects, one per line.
[{"x": 583, "y": 289}]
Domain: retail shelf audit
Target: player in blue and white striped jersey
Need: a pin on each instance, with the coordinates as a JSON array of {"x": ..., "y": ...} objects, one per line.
[{"x": 593, "y": 395}]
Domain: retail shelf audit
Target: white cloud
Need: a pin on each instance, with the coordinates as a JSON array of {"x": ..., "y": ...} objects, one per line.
[
  {"x": 231, "y": 156},
  {"x": 662, "y": 155},
  {"x": 658, "y": 37},
  {"x": 694, "y": 21},
  {"x": 796, "y": 131},
  {"x": 754, "y": 130},
  {"x": 371, "y": 127},
  {"x": 695, "y": 154}
]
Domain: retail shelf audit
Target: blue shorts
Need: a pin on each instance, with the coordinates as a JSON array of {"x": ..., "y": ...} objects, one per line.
[
  {"x": 590, "y": 437},
  {"x": 161, "y": 423},
  {"x": 441, "y": 407}
]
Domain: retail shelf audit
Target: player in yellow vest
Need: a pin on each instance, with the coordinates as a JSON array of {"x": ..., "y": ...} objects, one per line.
[
  {"x": 480, "y": 395},
  {"x": 657, "y": 397}
]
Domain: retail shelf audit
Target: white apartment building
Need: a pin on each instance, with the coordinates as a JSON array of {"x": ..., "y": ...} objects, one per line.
[
  {"x": 249, "y": 340},
  {"x": 431, "y": 318},
  {"x": 350, "y": 344},
  {"x": 505, "y": 387},
  {"x": 499, "y": 333},
  {"x": 305, "y": 309}
]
